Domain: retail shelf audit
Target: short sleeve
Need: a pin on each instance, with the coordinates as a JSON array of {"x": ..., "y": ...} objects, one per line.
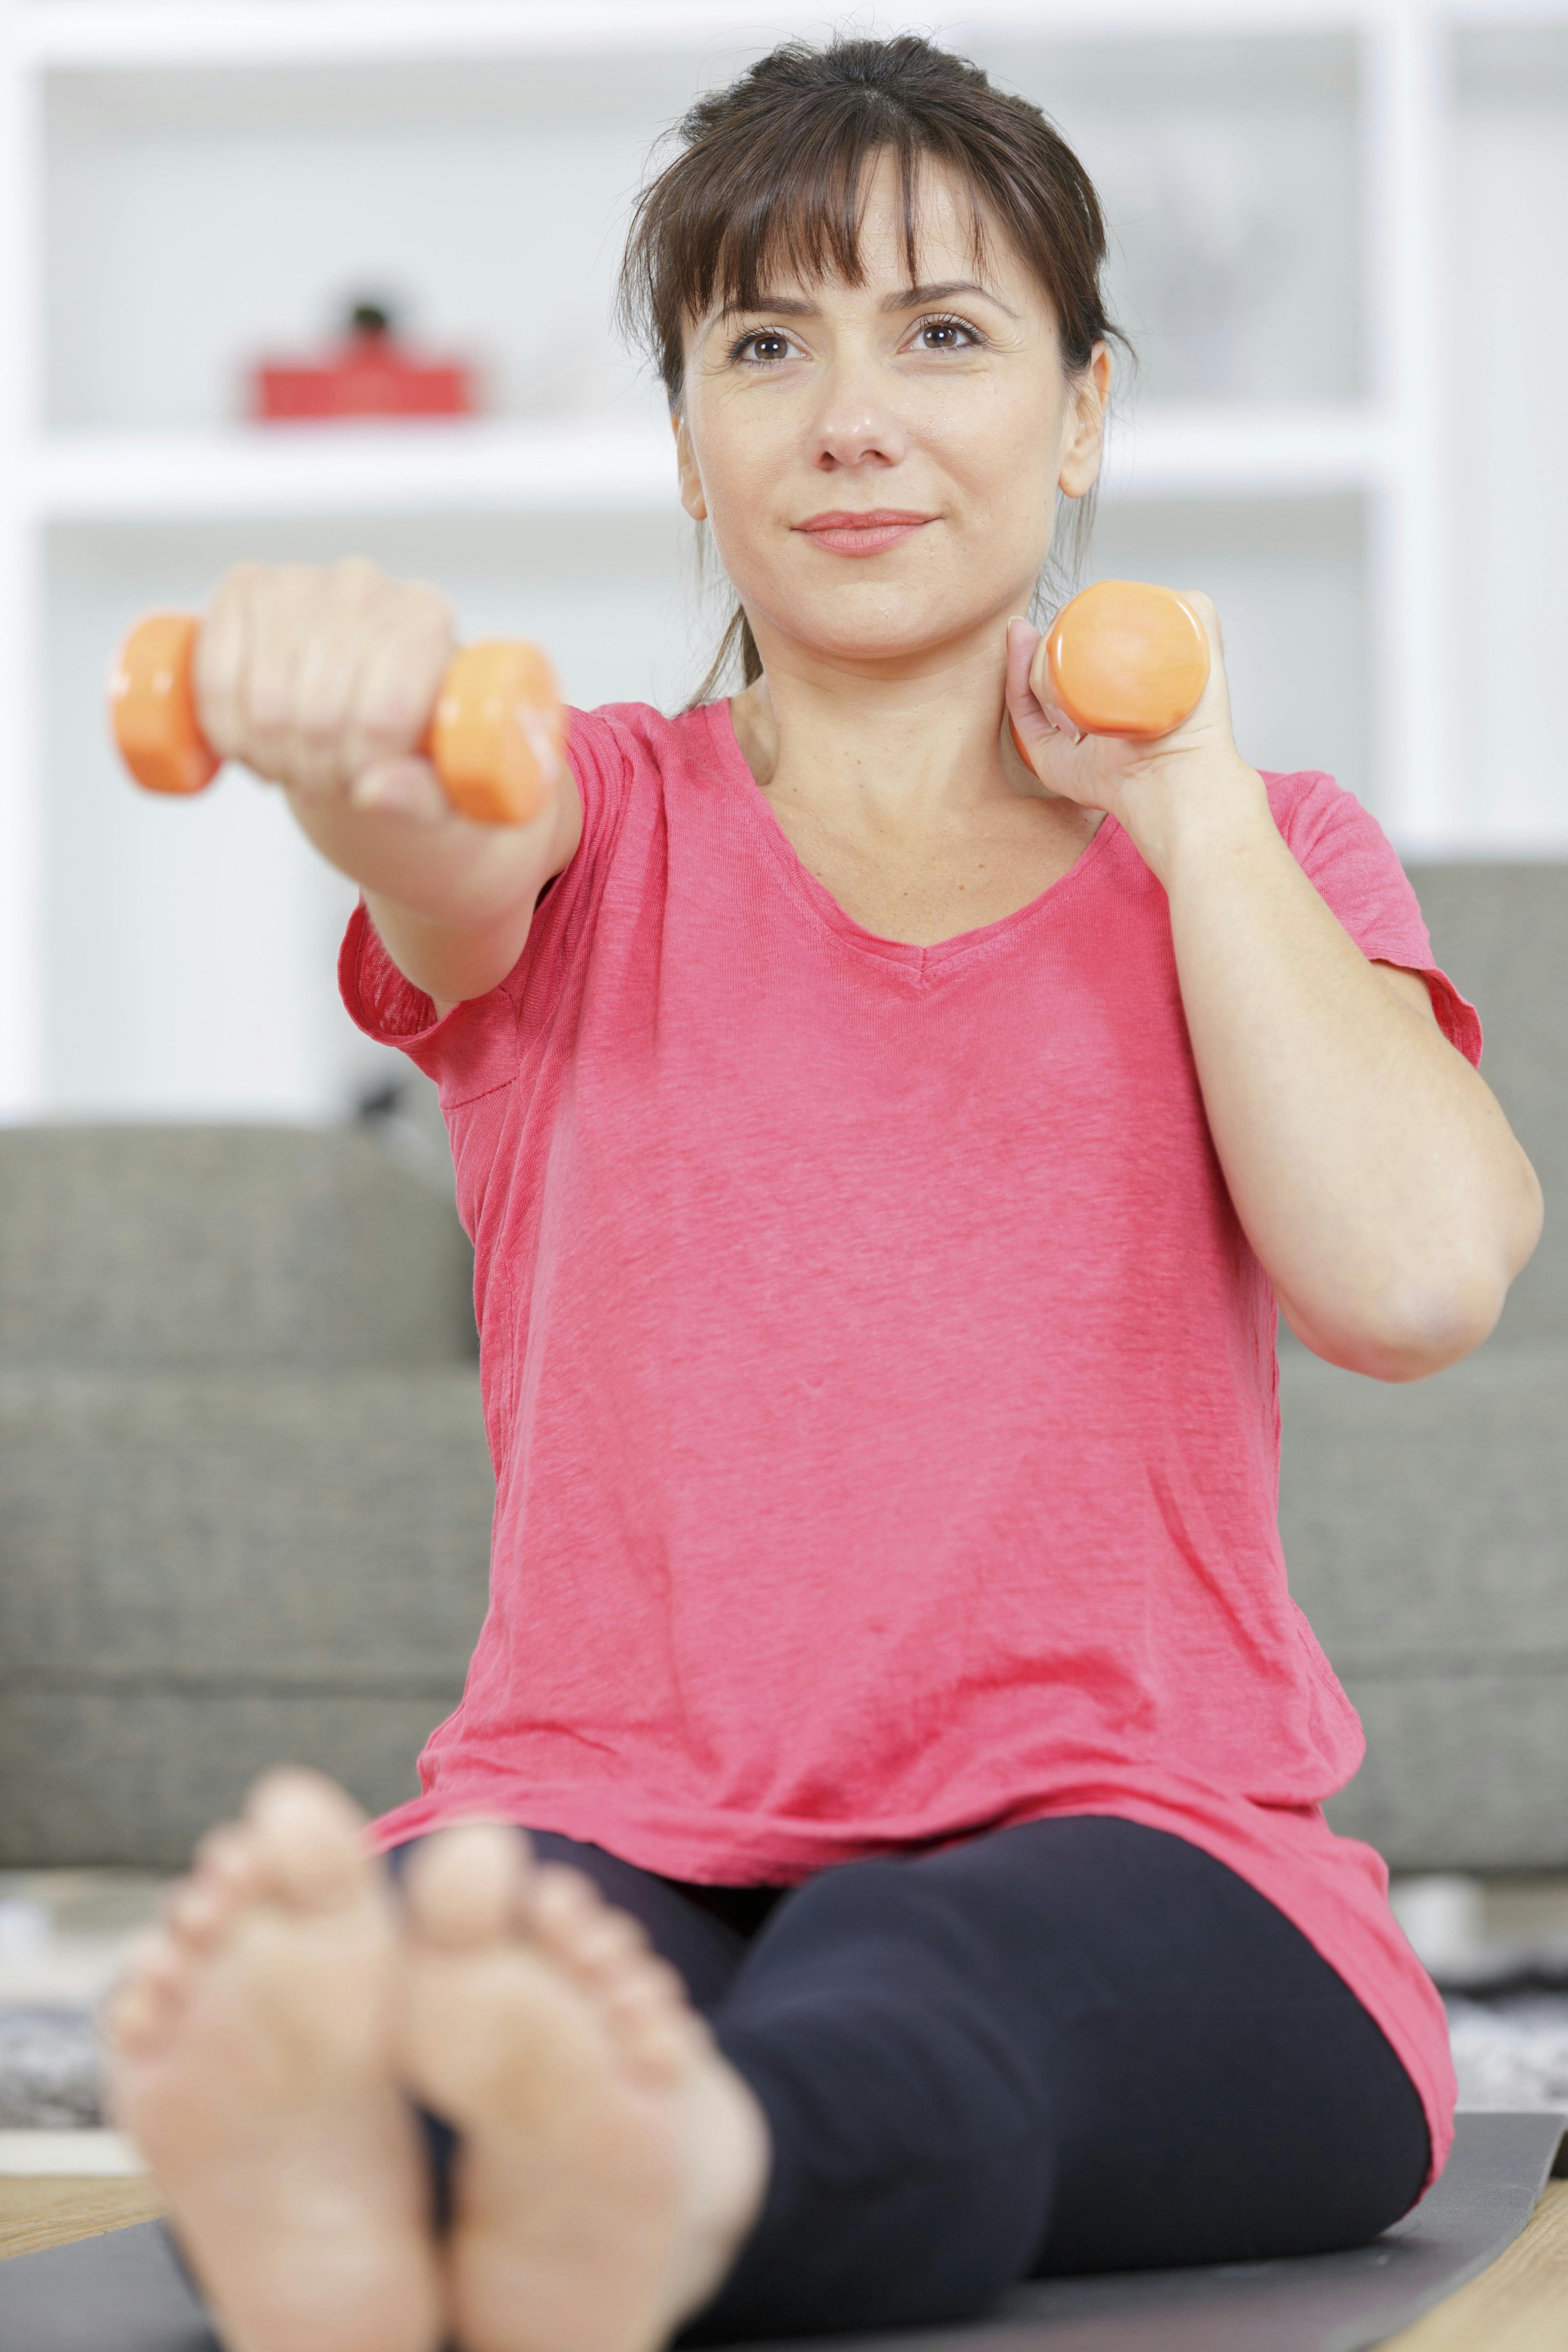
[
  {"x": 475, "y": 1048},
  {"x": 1349, "y": 860}
]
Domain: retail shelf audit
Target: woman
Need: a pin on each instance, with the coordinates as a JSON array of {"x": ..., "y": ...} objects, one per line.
[{"x": 884, "y": 1152}]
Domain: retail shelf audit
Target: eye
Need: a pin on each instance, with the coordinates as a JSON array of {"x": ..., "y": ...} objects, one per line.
[
  {"x": 946, "y": 335},
  {"x": 763, "y": 347}
]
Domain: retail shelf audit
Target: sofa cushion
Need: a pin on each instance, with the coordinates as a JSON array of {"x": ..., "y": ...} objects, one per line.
[
  {"x": 200, "y": 1578},
  {"x": 1423, "y": 1526},
  {"x": 144, "y": 1247},
  {"x": 1501, "y": 931},
  {"x": 133, "y": 1778}
]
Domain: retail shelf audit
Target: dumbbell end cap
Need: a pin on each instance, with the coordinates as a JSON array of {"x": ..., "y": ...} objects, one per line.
[
  {"x": 151, "y": 711},
  {"x": 496, "y": 736},
  {"x": 1127, "y": 658}
]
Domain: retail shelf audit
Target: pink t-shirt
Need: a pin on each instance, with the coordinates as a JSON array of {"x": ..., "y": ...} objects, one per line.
[{"x": 880, "y": 1387}]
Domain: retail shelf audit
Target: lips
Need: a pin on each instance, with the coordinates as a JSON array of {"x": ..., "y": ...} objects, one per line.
[{"x": 866, "y": 531}]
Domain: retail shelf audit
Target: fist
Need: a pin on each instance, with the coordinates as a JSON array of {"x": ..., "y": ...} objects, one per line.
[{"x": 322, "y": 678}]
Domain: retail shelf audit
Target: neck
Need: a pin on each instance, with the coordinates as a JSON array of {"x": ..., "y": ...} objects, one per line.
[{"x": 893, "y": 743}]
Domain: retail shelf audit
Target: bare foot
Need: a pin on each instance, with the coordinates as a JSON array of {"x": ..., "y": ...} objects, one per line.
[
  {"x": 611, "y": 2160},
  {"x": 248, "y": 2058}
]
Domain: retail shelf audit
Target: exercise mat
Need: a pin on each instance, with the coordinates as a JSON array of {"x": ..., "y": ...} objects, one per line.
[{"x": 126, "y": 2292}]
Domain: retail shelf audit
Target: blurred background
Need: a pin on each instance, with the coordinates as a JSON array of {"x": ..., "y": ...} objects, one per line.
[
  {"x": 1337, "y": 244},
  {"x": 244, "y": 1492}
]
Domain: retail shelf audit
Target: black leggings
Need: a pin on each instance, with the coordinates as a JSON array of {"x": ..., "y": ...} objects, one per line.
[{"x": 1077, "y": 2046}]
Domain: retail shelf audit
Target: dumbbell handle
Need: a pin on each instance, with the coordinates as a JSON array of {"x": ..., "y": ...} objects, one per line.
[
  {"x": 496, "y": 732},
  {"x": 1127, "y": 658}
]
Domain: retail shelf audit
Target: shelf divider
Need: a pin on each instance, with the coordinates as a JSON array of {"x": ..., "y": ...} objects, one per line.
[{"x": 495, "y": 466}]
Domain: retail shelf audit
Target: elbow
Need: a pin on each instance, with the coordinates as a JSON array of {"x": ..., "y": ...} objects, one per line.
[
  {"x": 1419, "y": 1320},
  {"x": 1407, "y": 1335}
]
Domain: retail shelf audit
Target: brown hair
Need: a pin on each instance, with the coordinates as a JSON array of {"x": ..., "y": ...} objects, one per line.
[{"x": 772, "y": 175}]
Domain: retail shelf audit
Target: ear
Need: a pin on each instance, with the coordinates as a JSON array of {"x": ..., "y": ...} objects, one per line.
[
  {"x": 691, "y": 497},
  {"x": 1086, "y": 441}
]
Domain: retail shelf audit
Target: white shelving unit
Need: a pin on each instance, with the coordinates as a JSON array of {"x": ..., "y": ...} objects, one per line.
[{"x": 162, "y": 195}]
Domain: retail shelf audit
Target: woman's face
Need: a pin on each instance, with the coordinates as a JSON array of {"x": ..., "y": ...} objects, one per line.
[{"x": 878, "y": 463}]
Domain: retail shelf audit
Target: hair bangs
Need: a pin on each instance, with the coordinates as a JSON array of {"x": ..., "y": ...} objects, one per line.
[{"x": 803, "y": 222}]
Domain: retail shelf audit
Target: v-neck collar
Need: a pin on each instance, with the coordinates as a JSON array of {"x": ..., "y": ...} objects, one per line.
[{"x": 820, "y": 901}]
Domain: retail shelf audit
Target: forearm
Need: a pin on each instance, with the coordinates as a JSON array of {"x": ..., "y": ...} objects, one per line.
[
  {"x": 1372, "y": 1169},
  {"x": 452, "y": 901}
]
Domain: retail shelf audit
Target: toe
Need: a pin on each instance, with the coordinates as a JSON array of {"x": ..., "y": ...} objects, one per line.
[
  {"x": 562, "y": 1894},
  {"x": 309, "y": 1840},
  {"x": 196, "y": 1912},
  {"x": 231, "y": 1857},
  {"x": 132, "y": 2020},
  {"x": 465, "y": 1885},
  {"x": 598, "y": 1949},
  {"x": 139, "y": 2008}
]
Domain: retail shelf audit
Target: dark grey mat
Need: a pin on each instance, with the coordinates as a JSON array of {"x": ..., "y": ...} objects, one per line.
[{"x": 125, "y": 2292}]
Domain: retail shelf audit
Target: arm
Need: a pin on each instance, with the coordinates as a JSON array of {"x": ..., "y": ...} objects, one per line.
[
  {"x": 322, "y": 681},
  {"x": 1372, "y": 1169}
]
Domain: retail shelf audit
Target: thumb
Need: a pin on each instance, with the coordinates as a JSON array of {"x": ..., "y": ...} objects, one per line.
[
  {"x": 1034, "y": 719},
  {"x": 406, "y": 787}
]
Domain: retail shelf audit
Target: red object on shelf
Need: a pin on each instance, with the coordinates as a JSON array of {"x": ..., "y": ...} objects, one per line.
[{"x": 370, "y": 374}]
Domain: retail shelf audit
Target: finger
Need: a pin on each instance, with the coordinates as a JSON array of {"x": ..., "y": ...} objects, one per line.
[
  {"x": 286, "y": 613},
  {"x": 1044, "y": 693},
  {"x": 330, "y": 661},
  {"x": 404, "y": 787},
  {"x": 218, "y": 665},
  {"x": 1204, "y": 612},
  {"x": 397, "y": 683},
  {"x": 1212, "y": 706},
  {"x": 1035, "y": 724},
  {"x": 1022, "y": 639}
]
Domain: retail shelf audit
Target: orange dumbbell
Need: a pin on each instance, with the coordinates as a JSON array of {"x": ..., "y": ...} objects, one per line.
[
  {"x": 496, "y": 723},
  {"x": 1125, "y": 658}
]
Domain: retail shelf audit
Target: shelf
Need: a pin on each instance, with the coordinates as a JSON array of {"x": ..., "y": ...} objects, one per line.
[
  {"x": 594, "y": 469},
  {"x": 1215, "y": 452},
  {"x": 353, "y": 470},
  {"x": 109, "y": 33},
  {"x": 131, "y": 34}
]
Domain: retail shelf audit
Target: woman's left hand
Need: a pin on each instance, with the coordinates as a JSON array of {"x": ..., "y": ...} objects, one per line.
[{"x": 1153, "y": 787}]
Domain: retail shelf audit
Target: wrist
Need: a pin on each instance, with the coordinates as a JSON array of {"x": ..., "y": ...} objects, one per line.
[{"x": 1193, "y": 814}]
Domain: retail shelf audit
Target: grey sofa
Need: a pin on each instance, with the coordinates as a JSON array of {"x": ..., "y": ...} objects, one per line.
[
  {"x": 244, "y": 1497},
  {"x": 244, "y": 1490}
]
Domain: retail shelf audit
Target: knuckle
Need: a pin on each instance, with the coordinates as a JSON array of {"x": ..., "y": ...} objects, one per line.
[
  {"x": 236, "y": 587},
  {"x": 426, "y": 607},
  {"x": 355, "y": 576},
  {"x": 321, "y": 730}
]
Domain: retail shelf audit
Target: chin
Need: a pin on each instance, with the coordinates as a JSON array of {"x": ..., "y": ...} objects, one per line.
[
  {"x": 859, "y": 627},
  {"x": 881, "y": 639}
]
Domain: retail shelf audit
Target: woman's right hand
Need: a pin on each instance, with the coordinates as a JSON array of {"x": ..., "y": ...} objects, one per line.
[
  {"x": 322, "y": 678},
  {"x": 325, "y": 678}
]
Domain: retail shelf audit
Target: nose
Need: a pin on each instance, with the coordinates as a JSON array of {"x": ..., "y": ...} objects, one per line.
[{"x": 857, "y": 422}]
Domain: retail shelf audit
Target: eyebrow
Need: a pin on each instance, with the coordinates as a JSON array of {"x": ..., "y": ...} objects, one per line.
[{"x": 912, "y": 298}]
